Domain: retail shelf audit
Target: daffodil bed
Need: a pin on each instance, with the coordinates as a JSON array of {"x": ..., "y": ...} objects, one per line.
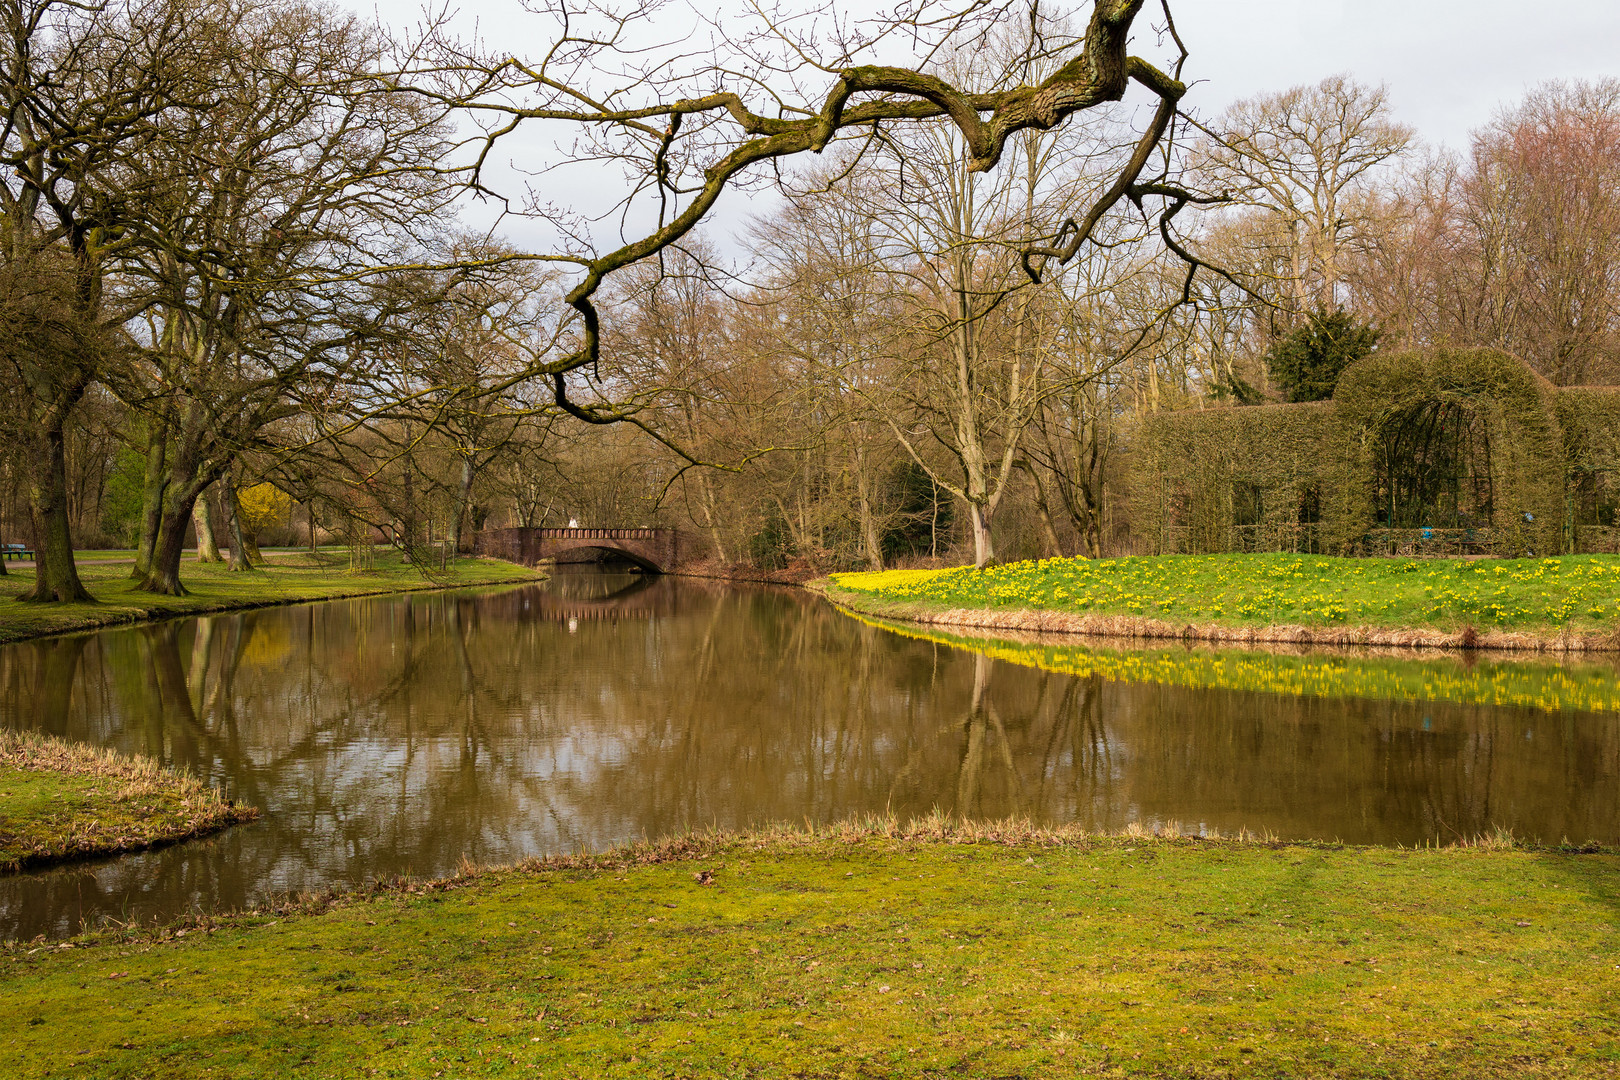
[
  {"x": 1592, "y": 686},
  {"x": 933, "y": 950},
  {"x": 1578, "y": 593}
]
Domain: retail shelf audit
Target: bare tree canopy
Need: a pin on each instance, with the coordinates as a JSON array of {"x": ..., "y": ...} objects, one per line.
[{"x": 681, "y": 149}]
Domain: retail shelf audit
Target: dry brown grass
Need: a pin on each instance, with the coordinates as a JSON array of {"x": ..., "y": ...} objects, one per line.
[
  {"x": 138, "y": 776},
  {"x": 64, "y": 800}
]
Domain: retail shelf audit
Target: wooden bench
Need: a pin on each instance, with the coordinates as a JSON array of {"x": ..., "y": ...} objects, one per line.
[{"x": 15, "y": 551}]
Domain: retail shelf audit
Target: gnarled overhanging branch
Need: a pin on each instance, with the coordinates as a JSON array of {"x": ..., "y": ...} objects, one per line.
[{"x": 862, "y": 97}]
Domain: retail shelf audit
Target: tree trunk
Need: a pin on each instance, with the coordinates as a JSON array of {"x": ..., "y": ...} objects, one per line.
[
  {"x": 1043, "y": 510},
  {"x": 1088, "y": 489},
  {"x": 164, "y": 576},
  {"x": 207, "y": 545},
  {"x": 463, "y": 500},
  {"x": 155, "y": 482},
  {"x": 709, "y": 511},
  {"x": 1092, "y": 529},
  {"x": 233, "y": 523},
  {"x": 250, "y": 547},
  {"x": 56, "y": 576},
  {"x": 984, "y": 548},
  {"x": 871, "y": 539}
]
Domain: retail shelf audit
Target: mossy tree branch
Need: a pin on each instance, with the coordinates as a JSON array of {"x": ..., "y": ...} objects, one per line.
[{"x": 861, "y": 98}]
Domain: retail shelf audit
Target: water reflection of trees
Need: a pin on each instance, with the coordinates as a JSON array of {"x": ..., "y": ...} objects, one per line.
[{"x": 395, "y": 735}]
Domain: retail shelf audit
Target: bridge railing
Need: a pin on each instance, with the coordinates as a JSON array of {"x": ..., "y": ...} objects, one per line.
[
  {"x": 582, "y": 533},
  {"x": 656, "y": 548}
]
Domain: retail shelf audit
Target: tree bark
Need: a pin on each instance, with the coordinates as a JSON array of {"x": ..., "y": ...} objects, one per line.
[
  {"x": 463, "y": 500},
  {"x": 1043, "y": 510},
  {"x": 155, "y": 482},
  {"x": 233, "y": 521},
  {"x": 250, "y": 547},
  {"x": 714, "y": 521},
  {"x": 56, "y": 576},
  {"x": 164, "y": 576},
  {"x": 203, "y": 517},
  {"x": 871, "y": 540},
  {"x": 984, "y": 547}
]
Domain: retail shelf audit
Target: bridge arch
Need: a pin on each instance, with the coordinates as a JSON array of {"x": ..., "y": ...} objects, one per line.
[{"x": 654, "y": 550}]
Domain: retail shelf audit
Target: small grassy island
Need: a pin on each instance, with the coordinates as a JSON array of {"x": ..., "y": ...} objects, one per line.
[
  {"x": 872, "y": 950},
  {"x": 1571, "y": 602},
  {"x": 61, "y": 800},
  {"x": 288, "y": 578}
]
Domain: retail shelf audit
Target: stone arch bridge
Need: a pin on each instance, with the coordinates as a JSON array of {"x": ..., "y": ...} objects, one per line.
[{"x": 656, "y": 550}]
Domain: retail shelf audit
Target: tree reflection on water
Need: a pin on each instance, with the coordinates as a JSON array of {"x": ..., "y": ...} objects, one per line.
[{"x": 398, "y": 734}]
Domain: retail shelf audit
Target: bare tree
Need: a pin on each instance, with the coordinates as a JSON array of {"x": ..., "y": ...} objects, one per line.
[
  {"x": 447, "y": 357},
  {"x": 976, "y": 365},
  {"x": 672, "y": 345},
  {"x": 1302, "y": 163},
  {"x": 259, "y": 214},
  {"x": 1513, "y": 245},
  {"x": 80, "y": 86},
  {"x": 833, "y": 315},
  {"x": 683, "y": 142},
  {"x": 1542, "y": 207}
]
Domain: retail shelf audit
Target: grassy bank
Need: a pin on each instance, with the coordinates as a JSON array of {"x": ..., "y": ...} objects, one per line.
[
  {"x": 287, "y": 579},
  {"x": 1570, "y": 602},
  {"x": 62, "y": 801},
  {"x": 874, "y": 951}
]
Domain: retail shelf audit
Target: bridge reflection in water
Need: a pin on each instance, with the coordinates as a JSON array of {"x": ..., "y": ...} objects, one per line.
[
  {"x": 610, "y": 592},
  {"x": 398, "y": 734}
]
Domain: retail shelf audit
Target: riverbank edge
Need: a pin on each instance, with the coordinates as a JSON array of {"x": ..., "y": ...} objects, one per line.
[
  {"x": 1141, "y": 628},
  {"x": 203, "y": 809},
  {"x": 184, "y": 608},
  {"x": 831, "y": 935},
  {"x": 935, "y": 830}
]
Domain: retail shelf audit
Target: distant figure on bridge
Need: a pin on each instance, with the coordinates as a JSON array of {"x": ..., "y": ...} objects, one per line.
[{"x": 573, "y": 523}]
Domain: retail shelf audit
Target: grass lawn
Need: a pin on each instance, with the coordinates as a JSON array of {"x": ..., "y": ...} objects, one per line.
[
  {"x": 63, "y": 800},
  {"x": 1576, "y": 592},
  {"x": 873, "y": 951},
  {"x": 286, "y": 579}
]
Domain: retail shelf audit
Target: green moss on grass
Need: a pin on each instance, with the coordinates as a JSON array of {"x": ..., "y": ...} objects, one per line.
[
  {"x": 287, "y": 579},
  {"x": 879, "y": 951},
  {"x": 62, "y": 800}
]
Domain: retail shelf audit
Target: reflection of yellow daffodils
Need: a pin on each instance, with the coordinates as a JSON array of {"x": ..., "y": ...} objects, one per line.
[{"x": 1540, "y": 686}]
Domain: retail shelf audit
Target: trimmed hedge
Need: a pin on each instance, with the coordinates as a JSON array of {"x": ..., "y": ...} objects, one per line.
[{"x": 1304, "y": 477}]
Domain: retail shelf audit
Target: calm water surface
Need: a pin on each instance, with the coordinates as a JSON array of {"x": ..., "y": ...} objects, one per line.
[{"x": 398, "y": 735}]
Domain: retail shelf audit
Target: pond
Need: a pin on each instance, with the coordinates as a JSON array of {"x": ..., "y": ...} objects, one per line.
[{"x": 403, "y": 734}]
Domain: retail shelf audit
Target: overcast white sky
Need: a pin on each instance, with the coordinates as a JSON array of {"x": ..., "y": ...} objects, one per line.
[{"x": 1449, "y": 64}]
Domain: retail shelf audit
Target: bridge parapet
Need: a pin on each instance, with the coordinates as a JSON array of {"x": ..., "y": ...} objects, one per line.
[{"x": 653, "y": 549}]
